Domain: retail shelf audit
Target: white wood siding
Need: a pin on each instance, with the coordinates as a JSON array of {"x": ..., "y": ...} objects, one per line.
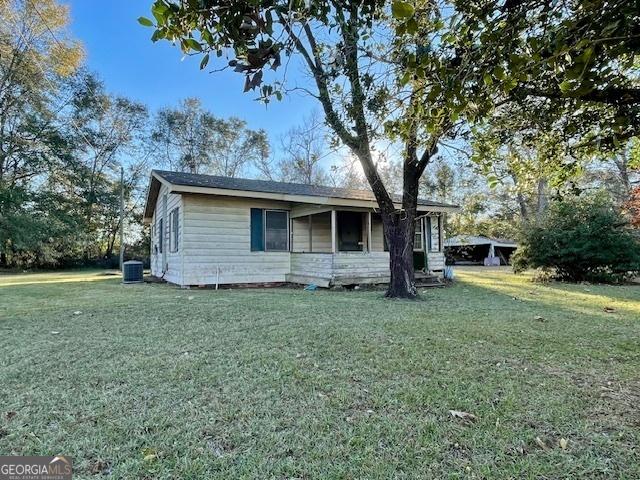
[
  {"x": 300, "y": 234},
  {"x": 325, "y": 269},
  {"x": 377, "y": 234},
  {"x": 172, "y": 270},
  {"x": 356, "y": 267},
  {"x": 311, "y": 268},
  {"x": 436, "y": 261},
  {"x": 217, "y": 242},
  {"x": 320, "y": 230}
]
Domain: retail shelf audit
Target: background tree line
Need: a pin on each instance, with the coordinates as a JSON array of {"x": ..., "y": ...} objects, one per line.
[{"x": 64, "y": 137}]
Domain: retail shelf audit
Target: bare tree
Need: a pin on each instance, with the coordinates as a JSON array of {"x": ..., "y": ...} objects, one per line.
[
  {"x": 303, "y": 148},
  {"x": 192, "y": 139}
]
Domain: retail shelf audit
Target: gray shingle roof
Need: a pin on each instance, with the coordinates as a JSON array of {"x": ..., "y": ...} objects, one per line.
[{"x": 267, "y": 186}]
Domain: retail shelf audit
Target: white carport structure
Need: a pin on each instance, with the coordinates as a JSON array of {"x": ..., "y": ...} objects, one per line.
[{"x": 479, "y": 249}]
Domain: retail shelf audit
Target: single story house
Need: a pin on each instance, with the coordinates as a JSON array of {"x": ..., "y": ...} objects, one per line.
[
  {"x": 479, "y": 250},
  {"x": 212, "y": 230}
]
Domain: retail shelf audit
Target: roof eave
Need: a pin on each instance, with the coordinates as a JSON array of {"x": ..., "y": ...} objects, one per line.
[
  {"x": 285, "y": 197},
  {"x": 155, "y": 182}
]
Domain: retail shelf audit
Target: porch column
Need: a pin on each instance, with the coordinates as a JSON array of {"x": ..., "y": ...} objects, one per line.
[
  {"x": 334, "y": 231},
  {"x": 369, "y": 236}
]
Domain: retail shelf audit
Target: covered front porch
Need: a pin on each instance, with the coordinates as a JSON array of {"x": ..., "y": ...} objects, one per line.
[{"x": 344, "y": 246}]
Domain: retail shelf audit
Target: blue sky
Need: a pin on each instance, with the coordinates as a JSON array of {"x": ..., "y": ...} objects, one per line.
[{"x": 118, "y": 49}]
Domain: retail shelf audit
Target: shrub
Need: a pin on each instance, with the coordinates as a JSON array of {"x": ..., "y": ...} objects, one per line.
[{"x": 580, "y": 238}]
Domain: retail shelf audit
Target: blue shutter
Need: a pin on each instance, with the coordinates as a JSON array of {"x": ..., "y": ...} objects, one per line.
[
  {"x": 429, "y": 239},
  {"x": 257, "y": 230}
]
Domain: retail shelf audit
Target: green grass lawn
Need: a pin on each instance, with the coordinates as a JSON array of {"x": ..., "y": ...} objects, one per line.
[{"x": 150, "y": 381}]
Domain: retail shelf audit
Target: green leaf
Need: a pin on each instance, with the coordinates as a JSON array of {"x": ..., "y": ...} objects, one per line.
[
  {"x": 204, "y": 62},
  {"x": 157, "y": 35},
  {"x": 412, "y": 26},
  {"x": 488, "y": 80},
  {"x": 566, "y": 86},
  {"x": 193, "y": 44},
  {"x": 144, "y": 21},
  {"x": 402, "y": 9},
  {"x": 159, "y": 11},
  {"x": 509, "y": 84}
]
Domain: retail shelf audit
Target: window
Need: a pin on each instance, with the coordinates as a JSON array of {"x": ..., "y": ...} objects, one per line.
[
  {"x": 417, "y": 239},
  {"x": 160, "y": 235},
  {"x": 269, "y": 230},
  {"x": 276, "y": 231},
  {"x": 174, "y": 219}
]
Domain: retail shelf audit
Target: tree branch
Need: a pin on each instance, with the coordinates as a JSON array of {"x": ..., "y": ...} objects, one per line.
[
  {"x": 610, "y": 95},
  {"x": 321, "y": 82},
  {"x": 363, "y": 151}
]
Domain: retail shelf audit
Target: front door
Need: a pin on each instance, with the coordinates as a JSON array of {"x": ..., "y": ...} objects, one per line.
[{"x": 350, "y": 232}]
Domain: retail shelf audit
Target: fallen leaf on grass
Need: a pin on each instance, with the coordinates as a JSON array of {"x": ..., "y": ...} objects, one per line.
[
  {"x": 541, "y": 443},
  {"x": 149, "y": 454},
  {"x": 77, "y": 312},
  {"x": 609, "y": 309},
  {"x": 538, "y": 318},
  {"x": 10, "y": 415},
  {"x": 466, "y": 416},
  {"x": 190, "y": 298},
  {"x": 54, "y": 332},
  {"x": 563, "y": 443}
]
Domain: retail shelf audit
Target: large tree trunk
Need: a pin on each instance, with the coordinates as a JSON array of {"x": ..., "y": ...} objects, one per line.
[
  {"x": 399, "y": 229},
  {"x": 400, "y": 235},
  {"x": 542, "y": 199}
]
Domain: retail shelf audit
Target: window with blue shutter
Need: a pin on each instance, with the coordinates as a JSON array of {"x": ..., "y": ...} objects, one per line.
[
  {"x": 257, "y": 230},
  {"x": 276, "y": 230}
]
